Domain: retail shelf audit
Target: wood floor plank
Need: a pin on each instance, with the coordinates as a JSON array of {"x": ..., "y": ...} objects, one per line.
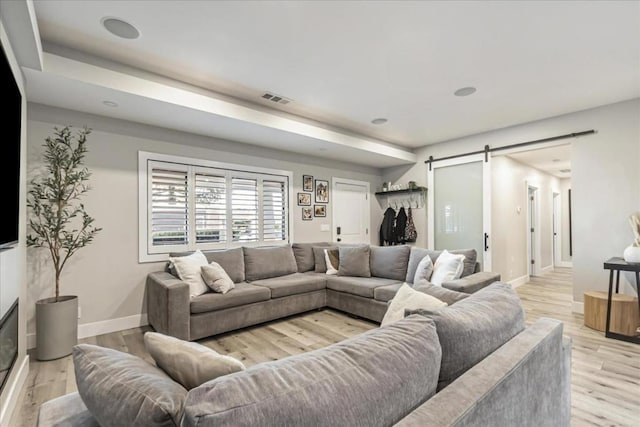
[{"x": 606, "y": 372}]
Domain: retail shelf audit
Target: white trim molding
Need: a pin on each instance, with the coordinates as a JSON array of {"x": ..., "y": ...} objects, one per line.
[
  {"x": 93, "y": 329},
  {"x": 564, "y": 264},
  {"x": 547, "y": 269},
  {"x": 8, "y": 405},
  {"x": 519, "y": 281}
]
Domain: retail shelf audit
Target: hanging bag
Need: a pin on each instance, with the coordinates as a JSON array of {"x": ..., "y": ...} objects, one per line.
[{"x": 410, "y": 232}]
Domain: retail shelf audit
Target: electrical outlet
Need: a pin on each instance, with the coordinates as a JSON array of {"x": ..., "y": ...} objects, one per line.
[{"x": 79, "y": 312}]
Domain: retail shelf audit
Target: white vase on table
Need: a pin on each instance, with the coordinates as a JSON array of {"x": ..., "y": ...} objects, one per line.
[{"x": 632, "y": 253}]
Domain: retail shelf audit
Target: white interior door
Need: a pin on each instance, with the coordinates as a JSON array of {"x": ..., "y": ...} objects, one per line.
[
  {"x": 351, "y": 211},
  {"x": 459, "y": 206},
  {"x": 557, "y": 252}
]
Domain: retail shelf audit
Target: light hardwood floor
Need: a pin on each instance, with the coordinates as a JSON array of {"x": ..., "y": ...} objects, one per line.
[{"x": 606, "y": 373}]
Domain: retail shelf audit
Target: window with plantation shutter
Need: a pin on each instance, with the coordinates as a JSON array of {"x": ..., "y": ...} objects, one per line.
[
  {"x": 169, "y": 206},
  {"x": 205, "y": 205}
]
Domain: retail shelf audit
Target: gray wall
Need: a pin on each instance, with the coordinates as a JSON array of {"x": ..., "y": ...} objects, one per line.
[
  {"x": 605, "y": 180},
  {"x": 509, "y": 224},
  {"x": 106, "y": 275}
]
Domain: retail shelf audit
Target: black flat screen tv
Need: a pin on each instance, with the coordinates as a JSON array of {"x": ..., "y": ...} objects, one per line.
[{"x": 11, "y": 100}]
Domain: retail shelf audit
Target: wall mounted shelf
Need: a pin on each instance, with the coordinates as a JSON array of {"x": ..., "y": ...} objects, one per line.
[{"x": 408, "y": 198}]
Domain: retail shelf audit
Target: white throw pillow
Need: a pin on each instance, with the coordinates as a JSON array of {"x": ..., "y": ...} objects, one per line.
[
  {"x": 216, "y": 278},
  {"x": 188, "y": 270},
  {"x": 409, "y": 298},
  {"x": 189, "y": 363},
  {"x": 447, "y": 267},
  {"x": 424, "y": 270},
  {"x": 331, "y": 270}
]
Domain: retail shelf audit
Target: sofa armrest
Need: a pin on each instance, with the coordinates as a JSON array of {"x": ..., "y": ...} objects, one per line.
[
  {"x": 526, "y": 382},
  {"x": 168, "y": 304},
  {"x": 473, "y": 282}
]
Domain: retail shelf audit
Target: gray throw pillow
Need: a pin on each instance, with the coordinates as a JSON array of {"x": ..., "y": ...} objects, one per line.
[
  {"x": 475, "y": 327},
  {"x": 354, "y": 261},
  {"x": 189, "y": 363},
  {"x": 120, "y": 389},
  {"x": 389, "y": 262},
  {"x": 304, "y": 255}
]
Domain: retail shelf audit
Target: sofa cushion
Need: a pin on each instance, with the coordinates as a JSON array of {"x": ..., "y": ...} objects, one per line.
[
  {"x": 355, "y": 261},
  {"x": 362, "y": 286},
  {"x": 216, "y": 278},
  {"x": 68, "y": 410},
  {"x": 448, "y": 267},
  {"x": 303, "y": 252},
  {"x": 121, "y": 389},
  {"x": 187, "y": 268},
  {"x": 375, "y": 378},
  {"x": 387, "y": 292},
  {"x": 475, "y": 327},
  {"x": 320, "y": 264},
  {"x": 267, "y": 262},
  {"x": 296, "y": 283},
  {"x": 244, "y": 293},
  {"x": 231, "y": 260},
  {"x": 188, "y": 363},
  {"x": 389, "y": 262},
  {"x": 416, "y": 255},
  {"x": 443, "y": 294}
]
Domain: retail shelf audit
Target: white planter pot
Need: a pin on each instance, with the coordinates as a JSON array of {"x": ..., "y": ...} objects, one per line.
[
  {"x": 632, "y": 254},
  {"x": 56, "y": 327}
]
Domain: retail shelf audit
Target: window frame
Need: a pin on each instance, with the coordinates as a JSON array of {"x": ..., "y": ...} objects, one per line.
[{"x": 146, "y": 252}]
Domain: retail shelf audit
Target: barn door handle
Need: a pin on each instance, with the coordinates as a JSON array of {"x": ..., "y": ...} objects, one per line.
[{"x": 486, "y": 242}]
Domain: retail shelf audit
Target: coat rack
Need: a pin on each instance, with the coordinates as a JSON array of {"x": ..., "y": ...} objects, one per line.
[{"x": 410, "y": 198}]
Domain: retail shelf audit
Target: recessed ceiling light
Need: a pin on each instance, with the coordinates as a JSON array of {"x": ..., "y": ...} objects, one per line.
[
  {"x": 465, "y": 91},
  {"x": 120, "y": 28},
  {"x": 110, "y": 104},
  {"x": 379, "y": 121}
]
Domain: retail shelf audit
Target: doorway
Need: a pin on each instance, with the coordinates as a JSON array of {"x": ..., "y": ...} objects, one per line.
[
  {"x": 557, "y": 239},
  {"x": 351, "y": 211},
  {"x": 459, "y": 206}
]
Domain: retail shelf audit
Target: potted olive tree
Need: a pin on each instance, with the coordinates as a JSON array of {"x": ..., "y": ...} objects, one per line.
[{"x": 59, "y": 224}]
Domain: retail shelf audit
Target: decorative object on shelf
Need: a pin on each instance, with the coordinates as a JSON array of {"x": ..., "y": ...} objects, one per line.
[
  {"x": 60, "y": 224},
  {"x": 412, "y": 185},
  {"x": 307, "y": 183},
  {"x": 322, "y": 191},
  {"x": 385, "y": 186},
  {"x": 320, "y": 210},
  {"x": 304, "y": 199},
  {"x": 307, "y": 214},
  {"x": 632, "y": 252}
]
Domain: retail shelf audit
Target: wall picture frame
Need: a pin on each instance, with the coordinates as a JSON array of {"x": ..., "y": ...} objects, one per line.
[
  {"x": 304, "y": 199},
  {"x": 307, "y": 183},
  {"x": 320, "y": 211},
  {"x": 322, "y": 191},
  {"x": 307, "y": 214}
]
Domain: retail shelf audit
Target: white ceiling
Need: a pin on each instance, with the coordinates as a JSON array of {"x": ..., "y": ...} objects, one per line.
[
  {"x": 345, "y": 63},
  {"x": 551, "y": 160}
]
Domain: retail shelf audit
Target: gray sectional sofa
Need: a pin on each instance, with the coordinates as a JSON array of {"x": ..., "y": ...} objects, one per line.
[
  {"x": 274, "y": 282},
  {"x": 470, "y": 364}
]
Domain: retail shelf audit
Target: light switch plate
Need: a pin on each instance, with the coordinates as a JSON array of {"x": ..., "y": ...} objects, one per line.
[{"x": 324, "y": 227}]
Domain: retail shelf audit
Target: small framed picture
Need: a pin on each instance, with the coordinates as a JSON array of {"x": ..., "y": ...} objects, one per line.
[
  {"x": 322, "y": 191},
  {"x": 320, "y": 210},
  {"x": 304, "y": 199},
  {"x": 306, "y": 214},
  {"x": 307, "y": 182}
]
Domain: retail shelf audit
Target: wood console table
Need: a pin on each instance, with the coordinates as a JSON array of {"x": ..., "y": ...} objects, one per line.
[{"x": 617, "y": 265}]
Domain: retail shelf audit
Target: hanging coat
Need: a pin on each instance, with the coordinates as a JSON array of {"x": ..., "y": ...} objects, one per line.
[
  {"x": 401, "y": 224},
  {"x": 387, "y": 234},
  {"x": 410, "y": 232}
]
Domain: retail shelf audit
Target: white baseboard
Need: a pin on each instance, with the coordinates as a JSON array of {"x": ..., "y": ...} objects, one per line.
[
  {"x": 564, "y": 264},
  {"x": 103, "y": 327},
  {"x": 9, "y": 404},
  {"x": 547, "y": 269},
  {"x": 577, "y": 307},
  {"x": 519, "y": 281}
]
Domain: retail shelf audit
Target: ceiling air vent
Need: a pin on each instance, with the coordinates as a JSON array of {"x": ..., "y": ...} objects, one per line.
[
  {"x": 278, "y": 99},
  {"x": 565, "y": 170}
]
